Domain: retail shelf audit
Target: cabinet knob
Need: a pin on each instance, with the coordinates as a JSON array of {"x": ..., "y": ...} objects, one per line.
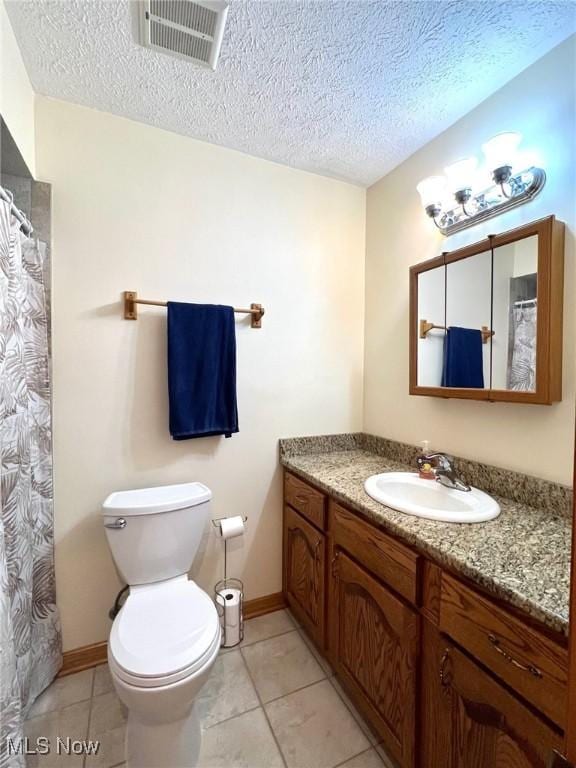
[
  {"x": 444, "y": 682},
  {"x": 335, "y": 564}
]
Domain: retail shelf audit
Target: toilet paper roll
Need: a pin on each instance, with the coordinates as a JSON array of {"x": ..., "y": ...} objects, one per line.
[
  {"x": 232, "y": 527},
  {"x": 231, "y": 602}
]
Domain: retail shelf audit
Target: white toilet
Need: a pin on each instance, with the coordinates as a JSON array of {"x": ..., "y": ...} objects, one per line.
[{"x": 166, "y": 638}]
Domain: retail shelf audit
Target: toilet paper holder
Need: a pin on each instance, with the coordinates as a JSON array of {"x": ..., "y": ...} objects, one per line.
[{"x": 218, "y": 523}]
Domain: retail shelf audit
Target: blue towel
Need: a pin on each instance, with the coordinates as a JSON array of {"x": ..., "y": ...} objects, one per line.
[
  {"x": 201, "y": 370},
  {"x": 463, "y": 364}
]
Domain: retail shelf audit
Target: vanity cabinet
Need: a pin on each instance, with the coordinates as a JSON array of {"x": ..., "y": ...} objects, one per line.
[
  {"x": 469, "y": 720},
  {"x": 373, "y": 648},
  {"x": 447, "y": 676},
  {"x": 525, "y": 659}
]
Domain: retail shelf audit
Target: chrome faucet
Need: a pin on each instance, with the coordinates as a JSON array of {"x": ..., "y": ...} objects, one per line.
[{"x": 442, "y": 468}]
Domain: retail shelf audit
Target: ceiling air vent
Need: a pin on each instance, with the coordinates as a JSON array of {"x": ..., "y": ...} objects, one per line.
[{"x": 183, "y": 28}]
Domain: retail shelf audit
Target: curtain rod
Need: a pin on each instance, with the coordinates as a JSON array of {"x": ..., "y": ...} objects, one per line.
[
  {"x": 131, "y": 299},
  {"x": 25, "y": 225}
]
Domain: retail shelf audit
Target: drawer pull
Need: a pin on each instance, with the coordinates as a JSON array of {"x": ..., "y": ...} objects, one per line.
[{"x": 525, "y": 667}]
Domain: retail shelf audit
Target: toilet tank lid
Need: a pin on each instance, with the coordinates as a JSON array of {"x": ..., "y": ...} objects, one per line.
[{"x": 148, "y": 501}]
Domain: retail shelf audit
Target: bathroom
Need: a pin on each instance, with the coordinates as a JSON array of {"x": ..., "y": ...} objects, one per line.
[{"x": 285, "y": 174}]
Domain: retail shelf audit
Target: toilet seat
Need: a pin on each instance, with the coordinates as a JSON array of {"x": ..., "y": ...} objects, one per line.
[{"x": 164, "y": 633}]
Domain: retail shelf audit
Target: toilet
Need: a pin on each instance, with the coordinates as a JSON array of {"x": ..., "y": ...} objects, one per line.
[{"x": 166, "y": 638}]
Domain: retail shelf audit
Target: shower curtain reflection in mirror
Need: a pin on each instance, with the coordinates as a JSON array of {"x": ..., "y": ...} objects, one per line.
[{"x": 521, "y": 373}]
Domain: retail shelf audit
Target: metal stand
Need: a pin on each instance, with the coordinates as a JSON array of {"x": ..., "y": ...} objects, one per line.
[{"x": 225, "y": 589}]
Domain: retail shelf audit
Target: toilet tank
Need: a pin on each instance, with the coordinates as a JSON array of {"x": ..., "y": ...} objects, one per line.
[{"x": 154, "y": 533}]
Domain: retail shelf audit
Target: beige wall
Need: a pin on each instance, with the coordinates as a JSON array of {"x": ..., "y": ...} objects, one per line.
[
  {"x": 535, "y": 439},
  {"x": 16, "y": 94},
  {"x": 138, "y": 208}
]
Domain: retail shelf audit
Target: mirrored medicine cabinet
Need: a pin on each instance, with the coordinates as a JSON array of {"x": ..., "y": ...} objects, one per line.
[{"x": 486, "y": 320}]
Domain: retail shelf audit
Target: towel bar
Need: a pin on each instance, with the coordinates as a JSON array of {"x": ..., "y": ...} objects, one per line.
[
  {"x": 425, "y": 327},
  {"x": 131, "y": 299}
]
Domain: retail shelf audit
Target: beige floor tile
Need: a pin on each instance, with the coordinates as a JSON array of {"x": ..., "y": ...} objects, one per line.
[
  {"x": 243, "y": 742},
  {"x": 108, "y": 713},
  {"x": 281, "y": 665},
  {"x": 386, "y": 759},
  {"x": 67, "y": 723},
  {"x": 372, "y": 737},
  {"x": 228, "y": 650},
  {"x": 110, "y": 751},
  {"x": 102, "y": 680},
  {"x": 263, "y": 627},
  {"x": 317, "y": 655},
  {"x": 228, "y": 691},
  {"x": 368, "y": 759},
  {"x": 63, "y": 692},
  {"x": 315, "y": 729}
]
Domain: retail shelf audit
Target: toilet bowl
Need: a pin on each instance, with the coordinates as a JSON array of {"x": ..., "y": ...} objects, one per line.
[{"x": 166, "y": 638}]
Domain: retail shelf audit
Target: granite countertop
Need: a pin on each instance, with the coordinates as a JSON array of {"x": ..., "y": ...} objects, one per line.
[{"x": 522, "y": 557}]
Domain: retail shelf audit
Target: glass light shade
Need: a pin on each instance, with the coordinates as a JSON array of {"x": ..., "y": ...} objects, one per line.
[
  {"x": 500, "y": 150},
  {"x": 431, "y": 190},
  {"x": 461, "y": 174}
]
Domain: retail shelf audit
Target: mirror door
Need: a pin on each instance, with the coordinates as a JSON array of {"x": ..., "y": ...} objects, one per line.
[
  {"x": 515, "y": 315},
  {"x": 467, "y": 354}
]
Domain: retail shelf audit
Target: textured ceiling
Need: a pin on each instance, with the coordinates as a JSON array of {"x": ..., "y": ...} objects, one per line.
[{"x": 347, "y": 89}]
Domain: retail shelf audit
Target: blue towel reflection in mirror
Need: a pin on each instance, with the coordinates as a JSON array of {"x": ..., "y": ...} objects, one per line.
[{"x": 463, "y": 364}]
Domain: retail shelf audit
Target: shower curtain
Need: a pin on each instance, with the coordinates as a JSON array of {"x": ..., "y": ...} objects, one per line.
[
  {"x": 521, "y": 373},
  {"x": 30, "y": 640}
]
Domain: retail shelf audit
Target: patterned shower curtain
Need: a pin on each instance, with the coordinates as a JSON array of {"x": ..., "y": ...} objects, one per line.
[
  {"x": 521, "y": 374},
  {"x": 30, "y": 641}
]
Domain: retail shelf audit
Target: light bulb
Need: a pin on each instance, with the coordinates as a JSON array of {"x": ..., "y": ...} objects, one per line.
[
  {"x": 431, "y": 191},
  {"x": 500, "y": 153},
  {"x": 461, "y": 174}
]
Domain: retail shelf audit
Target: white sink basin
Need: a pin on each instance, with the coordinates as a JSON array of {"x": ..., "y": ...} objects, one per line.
[{"x": 407, "y": 492}]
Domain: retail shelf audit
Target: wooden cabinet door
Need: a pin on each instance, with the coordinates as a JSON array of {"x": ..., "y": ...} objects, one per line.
[
  {"x": 304, "y": 564},
  {"x": 470, "y": 721},
  {"x": 373, "y": 643}
]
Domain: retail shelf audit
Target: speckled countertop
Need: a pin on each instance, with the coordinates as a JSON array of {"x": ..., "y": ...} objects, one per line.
[{"x": 522, "y": 557}]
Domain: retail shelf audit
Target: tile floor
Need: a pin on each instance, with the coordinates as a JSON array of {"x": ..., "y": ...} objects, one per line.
[{"x": 273, "y": 702}]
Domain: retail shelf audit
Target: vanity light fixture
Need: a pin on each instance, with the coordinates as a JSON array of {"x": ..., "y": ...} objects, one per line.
[{"x": 510, "y": 187}]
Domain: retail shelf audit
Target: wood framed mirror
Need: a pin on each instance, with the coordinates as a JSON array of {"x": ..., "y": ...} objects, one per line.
[{"x": 486, "y": 320}]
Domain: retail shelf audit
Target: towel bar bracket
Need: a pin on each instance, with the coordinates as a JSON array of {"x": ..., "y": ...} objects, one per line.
[
  {"x": 256, "y": 317},
  {"x": 130, "y": 306},
  {"x": 131, "y": 302}
]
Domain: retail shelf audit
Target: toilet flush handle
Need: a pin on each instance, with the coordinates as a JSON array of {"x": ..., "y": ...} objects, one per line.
[{"x": 118, "y": 524}]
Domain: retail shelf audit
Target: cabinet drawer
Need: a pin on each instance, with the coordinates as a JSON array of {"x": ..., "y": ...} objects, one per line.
[
  {"x": 307, "y": 500},
  {"x": 386, "y": 558},
  {"x": 535, "y": 666}
]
